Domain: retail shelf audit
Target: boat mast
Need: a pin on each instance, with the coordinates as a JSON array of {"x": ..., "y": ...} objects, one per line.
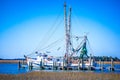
[{"x": 67, "y": 32}]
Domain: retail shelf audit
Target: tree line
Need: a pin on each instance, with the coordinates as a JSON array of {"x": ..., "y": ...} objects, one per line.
[{"x": 106, "y": 58}]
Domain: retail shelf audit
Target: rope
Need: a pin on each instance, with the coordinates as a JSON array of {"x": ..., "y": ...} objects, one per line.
[
  {"x": 52, "y": 33},
  {"x": 90, "y": 47},
  {"x": 48, "y": 32},
  {"x": 43, "y": 39},
  {"x": 51, "y": 44}
]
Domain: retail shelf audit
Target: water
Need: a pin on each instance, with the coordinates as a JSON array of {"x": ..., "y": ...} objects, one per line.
[
  {"x": 12, "y": 68},
  {"x": 106, "y": 66}
]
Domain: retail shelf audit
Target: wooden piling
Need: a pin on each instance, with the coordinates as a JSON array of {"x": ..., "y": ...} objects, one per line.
[
  {"x": 112, "y": 65},
  {"x": 79, "y": 65},
  {"x": 19, "y": 65},
  {"x": 100, "y": 64},
  {"x": 82, "y": 63},
  {"x": 30, "y": 66},
  {"x": 23, "y": 62},
  {"x": 41, "y": 64},
  {"x": 63, "y": 65},
  {"x": 90, "y": 62},
  {"x": 53, "y": 65}
]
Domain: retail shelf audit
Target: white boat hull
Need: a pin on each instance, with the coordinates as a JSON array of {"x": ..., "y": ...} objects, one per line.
[{"x": 46, "y": 63}]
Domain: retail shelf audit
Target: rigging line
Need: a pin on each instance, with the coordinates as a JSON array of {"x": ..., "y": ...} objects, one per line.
[
  {"x": 50, "y": 47},
  {"x": 76, "y": 39},
  {"x": 46, "y": 42},
  {"x": 30, "y": 54},
  {"x": 56, "y": 45},
  {"x": 52, "y": 31},
  {"x": 90, "y": 47},
  {"x": 55, "y": 49},
  {"x": 76, "y": 18},
  {"x": 57, "y": 42},
  {"x": 43, "y": 38},
  {"x": 51, "y": 44},
  {"x": 77, "y": 49},
  {"x": 47, "y": 46},
  {"x": 76, "y": 42},
  {"x": 62, "y": 50},
  {"x": 80, "y": 45}
]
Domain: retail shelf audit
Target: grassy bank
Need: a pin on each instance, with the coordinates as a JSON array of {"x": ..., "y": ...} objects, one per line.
[{"x": 61, "y": 76}]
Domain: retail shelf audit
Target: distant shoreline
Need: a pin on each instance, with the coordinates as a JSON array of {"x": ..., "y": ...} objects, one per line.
[
  {"x": 11, "y": 61},
  {"x": 109, "y": 62},
  {"x": 16, "y": 61}
]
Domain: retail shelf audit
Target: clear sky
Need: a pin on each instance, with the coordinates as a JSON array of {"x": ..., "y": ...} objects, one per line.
[{"x": 27, "y": 26}]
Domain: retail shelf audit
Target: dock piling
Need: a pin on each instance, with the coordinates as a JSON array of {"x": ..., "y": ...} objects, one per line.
[
  {"x": 30, "y": 66},
  {"x": 79, "y": 65},
  {"x": 63, "y": 65},
  {"x": 82, "y": 63},
  {"x": 53, "y": 65},
  {"x": 112, "y": 65},
  {"x": 100, "y": 64},
  {"x": 41, "y": 64},
  {"x": 90, "y": 62},
  {"x": 19, "y": 65}
]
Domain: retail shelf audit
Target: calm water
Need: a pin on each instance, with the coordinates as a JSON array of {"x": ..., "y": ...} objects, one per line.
[{"x": 13, "y": 69}]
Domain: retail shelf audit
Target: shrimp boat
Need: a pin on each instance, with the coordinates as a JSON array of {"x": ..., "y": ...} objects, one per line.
[{"x": 68, "y": 61}]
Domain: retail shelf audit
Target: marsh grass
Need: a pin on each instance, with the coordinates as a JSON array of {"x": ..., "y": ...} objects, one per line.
[{"x": 61, "y": 76}]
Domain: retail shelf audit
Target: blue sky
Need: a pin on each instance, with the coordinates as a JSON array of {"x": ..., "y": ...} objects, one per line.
[{"x": 27, "y": 26}]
